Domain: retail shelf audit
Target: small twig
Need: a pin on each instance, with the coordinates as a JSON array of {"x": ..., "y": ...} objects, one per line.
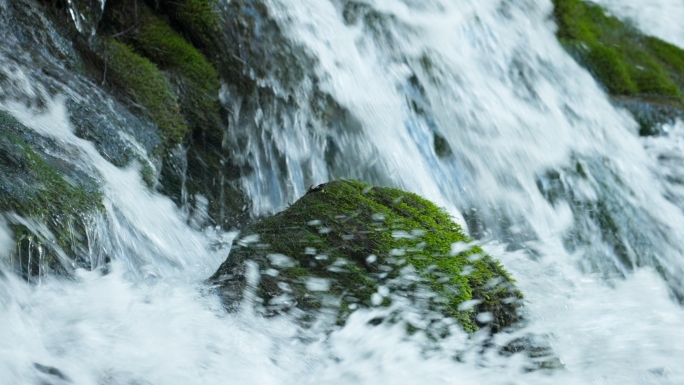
[{"x": 239, "y": 59}]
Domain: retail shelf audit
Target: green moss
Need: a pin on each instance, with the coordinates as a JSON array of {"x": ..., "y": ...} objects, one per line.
[
  {"x": 200, "y": 16},
  {"x": 330, "y": 234},
  {"x": 667, "y": 53},
  {"x": 611, "y": 70},
  {"x": 199, "y": 20},
  {"x": 572, "y": 21},
  {"x": 622, "y": 59},
  {"x": 649, "y": 75},
  {"x": 195, "y": 81},
  {"x": 44, "y": 189},
  {"x": 148, "y": 88},
  {"x": 197, "y": 78}
]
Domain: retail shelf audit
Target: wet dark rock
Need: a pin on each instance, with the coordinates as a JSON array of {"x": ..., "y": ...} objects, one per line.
[
  {"x": 46, "y": 200},
  {"x": 651, "y": 114},
  {"x": 52, "y": 371}
]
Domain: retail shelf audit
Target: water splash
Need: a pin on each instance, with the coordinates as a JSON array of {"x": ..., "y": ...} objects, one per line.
[{"x": 86, "y": 14}]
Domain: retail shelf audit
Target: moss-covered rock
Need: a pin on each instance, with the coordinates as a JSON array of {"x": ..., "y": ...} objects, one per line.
[
  {"x": 142, "y": 81},
  {"x": 197, "y": 80},
  {"x": 42, "y": 193},
  {"x": 201, "y": 15},
  {"x": 346, "y": 244},
  {"x": 619, "y": 56},
  {"x": 200, "y": 18},
  {"x": 169, "y": 34},
  {"x": 626, "y": 62}
]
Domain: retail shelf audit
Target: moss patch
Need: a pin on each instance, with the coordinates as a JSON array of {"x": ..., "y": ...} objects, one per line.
[
  {"x": 148, "y": 88},
  {"x": 643, "y": 74},
  {"x": 170, "y": 35},
  {"x": 622, "y": 59},
  {"x": 43, "y": 189},
  {"x": 197, "y": 79},
  {"x": 351, "y": 240},
  {"x": 199, "y": 16}
]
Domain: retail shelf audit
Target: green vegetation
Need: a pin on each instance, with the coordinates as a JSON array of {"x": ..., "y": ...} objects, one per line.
[
  {"x": 43, "y": 189},
  {"x": 668, "y": 53},
  {"x": 141, "y": 80},
  {"x": 199, "y": 16},
  {"x": 165, "y": 39},
  {"x": 623, "y": 60},
  {"x": 643, "y": 74},
  {"x": 610, "y": 70},
  {"x": 358, "y": 238},
  {"x": 163, "y": 72},
  {"x": 202, "y": 22},
  {"x": 197, "y": 77}
]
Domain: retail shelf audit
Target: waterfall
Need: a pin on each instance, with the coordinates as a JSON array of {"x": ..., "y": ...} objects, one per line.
[
  {"x": 577, "y": 161},
  {"x": 472, "y": 104}
]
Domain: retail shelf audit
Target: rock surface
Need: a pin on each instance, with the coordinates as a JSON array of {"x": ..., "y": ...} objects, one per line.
[
  {"x": 45, "y": 200},
  {"x": 346, "y": 245}
]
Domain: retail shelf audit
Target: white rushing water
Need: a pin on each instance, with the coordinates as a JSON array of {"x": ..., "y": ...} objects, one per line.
[{"x": 512, "y": 105}]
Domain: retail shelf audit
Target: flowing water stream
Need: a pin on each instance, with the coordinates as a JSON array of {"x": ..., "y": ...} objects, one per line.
[{"x": 534, "y": 160}]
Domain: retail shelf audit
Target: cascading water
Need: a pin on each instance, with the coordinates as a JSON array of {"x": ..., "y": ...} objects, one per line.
[
  {"x": 86, "y": 14},
  {"x": 474, "y": 105}
]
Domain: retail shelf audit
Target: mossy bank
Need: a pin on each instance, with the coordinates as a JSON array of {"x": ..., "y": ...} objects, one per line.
[
  {"x": 346, "y": 245},
  {"x": 162, "y": 58},
  {"x": 642, "y": 73}
]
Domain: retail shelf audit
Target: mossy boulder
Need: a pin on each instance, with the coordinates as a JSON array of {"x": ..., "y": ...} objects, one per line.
[
  {"x": 627, "y": 63},
  {"x": 346, "y": 245}
]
